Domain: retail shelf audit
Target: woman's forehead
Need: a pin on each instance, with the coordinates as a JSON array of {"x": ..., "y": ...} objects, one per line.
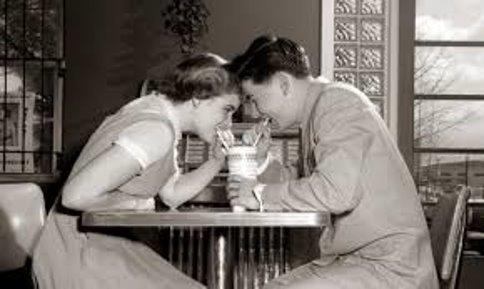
[{"x": 229, "y": 99}]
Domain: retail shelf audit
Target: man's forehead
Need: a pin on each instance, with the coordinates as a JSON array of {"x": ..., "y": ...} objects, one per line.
[
  {"x": 248, "y": 83},
  {"x": 249, "y": 87}
]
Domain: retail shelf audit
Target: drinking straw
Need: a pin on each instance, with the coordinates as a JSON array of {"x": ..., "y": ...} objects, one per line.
[
  {"x": 259, "y": 135},
  {"x": 221, "y": 138},
  {"x": 258, "y": 197}
]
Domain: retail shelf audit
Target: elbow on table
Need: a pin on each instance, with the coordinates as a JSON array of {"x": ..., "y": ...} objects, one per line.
[
  {"x": 170, "y": 200},
  {"x": 346, "y": 204},
  {"x": 71, "y": 199}
]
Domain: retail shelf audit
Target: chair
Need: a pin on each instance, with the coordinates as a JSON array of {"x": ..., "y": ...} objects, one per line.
[
  {"x": 447, "y": 235},
  {"x": 22, "y": 215}
]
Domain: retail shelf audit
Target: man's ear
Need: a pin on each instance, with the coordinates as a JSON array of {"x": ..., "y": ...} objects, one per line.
[{"x": 285, "y": 82}]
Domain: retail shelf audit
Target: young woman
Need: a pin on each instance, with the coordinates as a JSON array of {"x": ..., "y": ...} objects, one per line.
[{"x": 129, "y": 160}]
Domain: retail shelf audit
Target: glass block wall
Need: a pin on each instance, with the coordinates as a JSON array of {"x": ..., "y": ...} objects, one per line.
[{"x": 361, "y": 46}]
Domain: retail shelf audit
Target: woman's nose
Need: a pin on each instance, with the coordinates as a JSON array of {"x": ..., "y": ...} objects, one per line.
[{"x": 226, "y": 123}]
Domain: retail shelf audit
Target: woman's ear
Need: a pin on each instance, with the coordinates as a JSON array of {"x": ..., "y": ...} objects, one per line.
[{"x": 284, "y": 82}]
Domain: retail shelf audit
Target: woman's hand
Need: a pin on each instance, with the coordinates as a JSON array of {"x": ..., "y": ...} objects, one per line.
[{"x": 218, "y": 151}]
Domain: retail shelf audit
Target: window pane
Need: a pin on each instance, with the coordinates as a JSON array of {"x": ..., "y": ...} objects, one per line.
[
  {"x": 13, "y": 162},
  {"x": 372, "y": 83},
  {"x": 346, "y": 76},
  {"x": 449, "y": 20},
  {"x": 32, "y": 130},
  {"x": 42, "y": 28},
  {"x": 33, "y": 33},
  {"x": 372, "y": 30},
  {"x": 345, "y": 7},
  {"x": 30, "y": 35},
  {"x": 13, "y": 34},
  {"x": 345, "y": 29},
  {"x": 449, "y": 70},
  {"x": 372, "y": 7},
  {"x": 52, "y": 30},
  {"x": 345, "y": 56},
  {"x": 449, "y": 123},
  {"x": 441, "y": 173}
]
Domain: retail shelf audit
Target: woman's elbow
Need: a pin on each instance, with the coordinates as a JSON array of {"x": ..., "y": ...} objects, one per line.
[
  {"x": 70, "y": 199},
  {"x": 71, "y": 203}
]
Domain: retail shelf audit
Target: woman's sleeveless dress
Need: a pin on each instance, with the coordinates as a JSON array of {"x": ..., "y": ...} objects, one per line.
[{"x": 66, "y": 257}]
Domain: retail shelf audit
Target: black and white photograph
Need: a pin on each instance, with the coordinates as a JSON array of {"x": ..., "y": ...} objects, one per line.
[
  {"x": 10, "y": 114},
  {"x": 242, "y": 144}
]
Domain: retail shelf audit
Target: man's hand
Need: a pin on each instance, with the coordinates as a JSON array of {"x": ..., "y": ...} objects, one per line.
[{"x": 240, "y": 192}]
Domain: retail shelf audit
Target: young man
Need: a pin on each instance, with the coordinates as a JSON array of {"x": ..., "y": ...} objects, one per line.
[{"x": 353, "y": 169}]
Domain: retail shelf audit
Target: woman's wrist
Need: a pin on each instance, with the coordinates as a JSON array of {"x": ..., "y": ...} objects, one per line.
[
  {"x": 144, "y": 204},
  {"x": 218, "y": 161}
]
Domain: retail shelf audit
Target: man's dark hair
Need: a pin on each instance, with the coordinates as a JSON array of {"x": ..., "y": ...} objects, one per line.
[{"x": 267, "y": 55}]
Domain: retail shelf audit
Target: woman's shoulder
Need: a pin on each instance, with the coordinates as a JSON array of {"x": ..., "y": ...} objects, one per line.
[
  {"x": 144, "y": 103},
  {"x": 147, "y": 140},
  {"x": 154, "y": 130}
]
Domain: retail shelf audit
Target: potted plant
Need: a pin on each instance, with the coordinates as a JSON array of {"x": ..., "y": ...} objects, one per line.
[{"x": 186, "y": 19}]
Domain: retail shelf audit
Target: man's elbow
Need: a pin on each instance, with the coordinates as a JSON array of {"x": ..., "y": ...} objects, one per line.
[
  {"x": 347, "y": 203},
  {"x": 170, "y": 200},
  {"x": 344, "y": 206}
]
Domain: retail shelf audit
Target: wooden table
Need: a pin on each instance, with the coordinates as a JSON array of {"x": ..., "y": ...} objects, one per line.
[{"x": 221, "y": 222}]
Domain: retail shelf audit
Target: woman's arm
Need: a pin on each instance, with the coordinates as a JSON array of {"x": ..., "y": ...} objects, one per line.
[
  {"x": 92, "y": 187},
  {"x": 190, "y": 184}
]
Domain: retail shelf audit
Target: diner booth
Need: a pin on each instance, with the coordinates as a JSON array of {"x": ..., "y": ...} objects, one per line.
[{"x": 69, "y": 64}]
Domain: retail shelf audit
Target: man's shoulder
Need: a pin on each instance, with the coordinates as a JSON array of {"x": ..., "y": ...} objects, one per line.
[
  {"x": 338, "y": 102},
  {"x": 342, "y": 90},
  {"x": 337, "y": 95}
]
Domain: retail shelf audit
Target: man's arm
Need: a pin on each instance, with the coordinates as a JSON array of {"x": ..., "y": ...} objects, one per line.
[{"x": 343, "y": 134}]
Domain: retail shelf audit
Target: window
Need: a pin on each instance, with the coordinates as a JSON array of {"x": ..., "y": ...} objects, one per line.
[
  {"x": 446, "y": 102},
  {"x": 31, "y": 84}
]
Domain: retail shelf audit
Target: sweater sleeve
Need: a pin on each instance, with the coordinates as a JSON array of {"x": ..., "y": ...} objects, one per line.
[{"x": 343, "y": 134}]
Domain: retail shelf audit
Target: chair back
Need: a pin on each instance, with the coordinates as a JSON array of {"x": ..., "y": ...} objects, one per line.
[
  {"x": 447, "y": 235},
  {"x": 22, "y": 215}
]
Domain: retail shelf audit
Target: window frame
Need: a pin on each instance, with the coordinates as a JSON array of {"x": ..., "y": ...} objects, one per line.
[
  {"x": 406, "y": 94},
  {"x": 57, "y": 103}
]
